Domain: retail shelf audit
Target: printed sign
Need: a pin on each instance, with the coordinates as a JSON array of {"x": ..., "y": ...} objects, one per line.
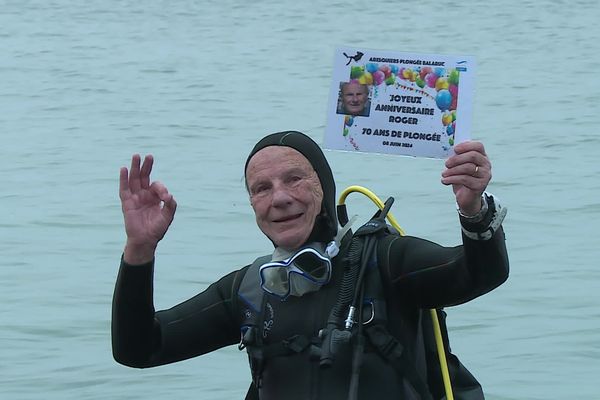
[{"x": 399, "y": 103}]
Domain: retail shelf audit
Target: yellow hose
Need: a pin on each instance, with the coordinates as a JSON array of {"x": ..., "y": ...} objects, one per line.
[{"x": 436, "y": 324}]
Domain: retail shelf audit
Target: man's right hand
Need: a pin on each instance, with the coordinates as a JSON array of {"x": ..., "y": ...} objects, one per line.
[{"x": 148, "y": 209}]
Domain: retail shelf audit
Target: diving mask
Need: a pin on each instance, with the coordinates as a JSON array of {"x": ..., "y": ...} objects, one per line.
[{"x": 303, "y": 272}]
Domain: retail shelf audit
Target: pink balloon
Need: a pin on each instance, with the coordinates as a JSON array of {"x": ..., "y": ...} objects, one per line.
[
  {"x": 454, "y": 90},
  {"x": 430, "y": 79},
  {"x": 378, "y": 77}
]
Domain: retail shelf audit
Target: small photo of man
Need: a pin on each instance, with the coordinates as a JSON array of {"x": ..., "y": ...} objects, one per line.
[{"x": 354, "y": 99}]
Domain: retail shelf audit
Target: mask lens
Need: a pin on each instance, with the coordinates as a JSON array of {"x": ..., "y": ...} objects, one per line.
[{"x": 312, "y": 265}]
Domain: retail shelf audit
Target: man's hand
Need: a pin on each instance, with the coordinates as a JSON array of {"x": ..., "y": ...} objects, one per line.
[
  {"x": 469, "y": 172},
  {"x": 148, "y": 209}
]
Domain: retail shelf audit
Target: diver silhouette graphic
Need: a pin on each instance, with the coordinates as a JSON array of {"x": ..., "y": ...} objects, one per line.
[{"x": 356, "y": 57}]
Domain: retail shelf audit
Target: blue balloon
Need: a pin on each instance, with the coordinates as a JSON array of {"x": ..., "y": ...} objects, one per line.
[
  {"x": 439, "y": 71},
  {"x": 450, "y": 130},
  {"x": 372, "y": 67},
  {"x": 394, "y": 69},
  {"x": 443, "y": 99}
]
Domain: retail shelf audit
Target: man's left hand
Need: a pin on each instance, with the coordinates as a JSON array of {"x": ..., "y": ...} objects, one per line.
[{"x": 469, "y": 171}]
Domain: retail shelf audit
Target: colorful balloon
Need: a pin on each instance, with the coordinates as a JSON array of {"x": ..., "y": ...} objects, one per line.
[
  {"x": 430, "y": 79},
  {"x": 356, "y": 72},
  {"x": 366, "y": 79},
  {"x": 390, "y": 80},
  {"x": 446, "y": 118},
  {"x": 371, "y": 67},
  {"x": 453, "y": 77},
  {"x": 420, "y": 82},
  {"x": 453, "y": 89},
  {"x": 386, "y": 70},
  {"x": 424, "y": 71},
  {"x": 443, "y": 99},
  {"x": 441, "y": 83},
  {"x": 378, "y": 77}
]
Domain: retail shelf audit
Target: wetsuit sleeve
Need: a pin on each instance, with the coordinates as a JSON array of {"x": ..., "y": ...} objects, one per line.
[
  {"x": 144, "y": 338},
  {"x": 432, "y": 276}
]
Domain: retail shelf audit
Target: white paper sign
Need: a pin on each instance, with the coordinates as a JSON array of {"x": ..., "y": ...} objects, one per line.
[{"x": 399, "y": 103}]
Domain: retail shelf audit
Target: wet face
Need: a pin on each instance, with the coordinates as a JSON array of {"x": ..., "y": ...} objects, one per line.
[
  {"x": 285, "y": 193},
  {"x": 354, "y": 97}
]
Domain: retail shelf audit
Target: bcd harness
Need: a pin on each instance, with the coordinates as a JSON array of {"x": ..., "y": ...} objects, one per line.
[{"x": 358, "y": 316}]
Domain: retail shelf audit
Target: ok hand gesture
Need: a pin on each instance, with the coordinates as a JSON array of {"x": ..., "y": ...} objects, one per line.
[{"x": 148, "y": 209}]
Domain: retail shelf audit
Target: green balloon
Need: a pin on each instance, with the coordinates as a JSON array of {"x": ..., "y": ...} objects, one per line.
[
  {"x": 453, "y": 77},
  {"x": 356, "y": 72}
]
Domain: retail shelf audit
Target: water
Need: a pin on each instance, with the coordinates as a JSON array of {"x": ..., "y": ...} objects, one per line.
[{"x": 85, "y": 85}]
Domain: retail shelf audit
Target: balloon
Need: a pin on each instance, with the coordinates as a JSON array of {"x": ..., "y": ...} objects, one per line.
[
  {"x": 450, "y": 130},
  {"x": 453, "y": 89},
  {"x": 378, "y": 77},
  {"x": 453, "y": 77},
  {"x": 356, "y": 72},
  {"x": 407, "y": 73},
  {"x": 420, "y": 82},
  {"x": 348, "y": 120},
  {"x": 424, "y": 71},
  {"x": 443, "y": 99},
  {"x": 439, "y": 71},
  {"x": 346, "y": 131},
  {"x": 386, "y": 70},
  {"x": 366, "y": 79},
  {"x": 451, "y": 141},
  {"x": 413, "y": 76},
  {"x": 453, "y": 104},
  {"x": 446, "y": 118},
  {"x": 441, "y": 83},
  {"x": 394, "y": 69},
  {"x": 401, "y": 72},
  {"x": 371, "y": 67},
  {"x": 390, "y": 80},
  {"x": 453, "y": 113},
  {"x": 430, "y": 79}
]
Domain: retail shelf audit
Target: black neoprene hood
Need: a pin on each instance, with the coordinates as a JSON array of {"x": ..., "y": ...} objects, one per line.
[{"x": 326, "y": 223}]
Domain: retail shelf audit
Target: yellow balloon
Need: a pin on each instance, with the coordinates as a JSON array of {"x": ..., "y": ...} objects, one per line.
[
  {"x": 366, "y": 79},
  {"x": 441, "y": 83}
]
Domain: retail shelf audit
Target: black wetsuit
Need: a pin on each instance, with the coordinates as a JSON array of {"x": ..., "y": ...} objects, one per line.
[{"x": 421, "y": 274}]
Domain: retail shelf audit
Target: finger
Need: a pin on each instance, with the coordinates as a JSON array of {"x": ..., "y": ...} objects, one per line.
[
  {"x": 469, "y": 145},
  {"x": 470, "y": 157},
  {"x": 134, "y": 174},
  {"x": 469, "y": 169},
  {"x": 145, "y": 171},
  {"x": 477, "y": 185},
  {"x": 123, "y": 182},
  {"x": 169, "y": 208}
]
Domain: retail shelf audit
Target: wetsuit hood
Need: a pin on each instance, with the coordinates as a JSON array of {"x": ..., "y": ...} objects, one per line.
[{"x": 325, "y": 226}]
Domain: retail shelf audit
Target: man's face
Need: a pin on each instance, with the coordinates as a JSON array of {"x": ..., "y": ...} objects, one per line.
[
  {"x": 354, "y": 97},
  {"x": 285, "y": 194}
]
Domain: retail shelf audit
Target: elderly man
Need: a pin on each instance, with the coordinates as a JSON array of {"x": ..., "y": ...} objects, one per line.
[
  {"x": 284, "y": 304},
  {"x": 354, "y": 99}
]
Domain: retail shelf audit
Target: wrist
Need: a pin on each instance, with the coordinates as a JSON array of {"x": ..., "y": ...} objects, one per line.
[
  {"x": 476, "y": 215},
  {"x": 138, "y": 253}
]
